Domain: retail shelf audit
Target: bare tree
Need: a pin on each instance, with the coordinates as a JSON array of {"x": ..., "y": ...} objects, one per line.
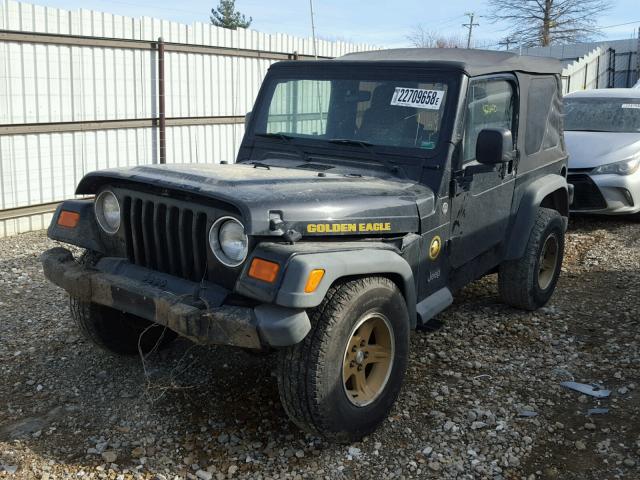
[
  {"x": 544, "y": 22},
  {"x": 420, "y": 37}
]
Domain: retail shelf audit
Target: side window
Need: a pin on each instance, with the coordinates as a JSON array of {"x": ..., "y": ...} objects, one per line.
[
  {"x": 490, "y": 104},
  {"x": 543, "y": 115}
]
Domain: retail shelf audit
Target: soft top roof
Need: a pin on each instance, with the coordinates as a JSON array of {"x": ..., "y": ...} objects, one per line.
[{"x": 473, "y": 62}]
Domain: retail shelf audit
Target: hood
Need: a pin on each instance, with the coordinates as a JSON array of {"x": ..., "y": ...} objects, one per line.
[
  {"x": 592, "y": 149},
  {"x": 310, "y": 202}
]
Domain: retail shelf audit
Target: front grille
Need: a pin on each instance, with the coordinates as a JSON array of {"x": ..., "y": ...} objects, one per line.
[
  {"x": 165, "y": 237},
  {"x": 586, "y": 194}
]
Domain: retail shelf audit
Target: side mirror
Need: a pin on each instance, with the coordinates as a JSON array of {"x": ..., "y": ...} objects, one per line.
[
  {"x": 247, "y": 119},
  {"x": 494, "y": 145}
]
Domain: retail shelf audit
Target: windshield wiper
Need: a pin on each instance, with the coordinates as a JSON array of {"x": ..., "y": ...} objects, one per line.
[
  {"x": 587, "y": 130},
  {"x": 286, "y": 139},
  {"x": 279, "y": 135},
  {"x": 367, "y": 146},
  {"x": 261, "y": 165},
  {"x": 350, "y": 141}
]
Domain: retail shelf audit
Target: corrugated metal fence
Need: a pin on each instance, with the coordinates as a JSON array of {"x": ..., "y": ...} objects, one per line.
[
  {"x": 79, "y": 92},
  {"x": 607, "y": 64},
  {"x": 589, "y": 71},
  {"x": 601, "y": 68}
]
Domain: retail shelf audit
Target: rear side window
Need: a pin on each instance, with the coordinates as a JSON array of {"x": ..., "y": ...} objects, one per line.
[
  {"x": 490, "y": 104},
  {"x": 543, "y": 115}
]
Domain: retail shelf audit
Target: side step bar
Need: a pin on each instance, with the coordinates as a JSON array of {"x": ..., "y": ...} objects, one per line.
[{"x": 433, "y": 305}]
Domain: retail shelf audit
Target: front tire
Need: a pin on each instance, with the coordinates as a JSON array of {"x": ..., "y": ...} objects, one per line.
[
  {"x": 118, "y": 332},
  {"x": 529, "y": 281},
  {"x": 341, "y": 381},
  {"x": 115, "y": 331}
]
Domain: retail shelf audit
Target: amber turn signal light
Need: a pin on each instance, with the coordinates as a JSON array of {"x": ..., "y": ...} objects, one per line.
[
  {"x": 315, "y": 277},
  {"x": 264, "y": 270},
  {"x": 68, "y": 219}
]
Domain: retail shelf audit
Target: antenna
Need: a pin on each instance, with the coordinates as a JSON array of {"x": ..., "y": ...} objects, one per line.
[
  {"x": 315, "y": 54},
  {"x": 470, "y": 26},
  {"x": 313, "y": 30}
]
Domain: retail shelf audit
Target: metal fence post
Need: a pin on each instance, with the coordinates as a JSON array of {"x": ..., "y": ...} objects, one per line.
[
  {"x": 161, "y": 105},
  {"x": 611, "y": 68},
  {"x": 638, "y": 58},
  {"x": 586, "y": 73}
]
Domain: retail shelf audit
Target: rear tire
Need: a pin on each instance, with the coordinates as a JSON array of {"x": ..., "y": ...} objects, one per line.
[
  {"x": 341, "y": 381},
  {"x": 529, "y": 281},
  {"x": 115, "y": 331}
]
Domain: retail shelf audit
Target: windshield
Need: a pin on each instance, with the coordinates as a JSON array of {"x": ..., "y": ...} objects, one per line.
[
  {"x": 396, "y": 113},
  {"x": 602, "y": 114}
]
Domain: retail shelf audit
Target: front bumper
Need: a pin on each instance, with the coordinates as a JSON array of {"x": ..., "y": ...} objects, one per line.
[
  {"x": 175, "y": 303},
  {"x": 608, "y": 194}
]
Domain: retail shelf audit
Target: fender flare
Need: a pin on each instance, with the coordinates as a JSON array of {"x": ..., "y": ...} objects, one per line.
[
  {"x": 85, "y": 234},
  {"x": 530, "y": 201},
  {"x": 339, "y": 265}
]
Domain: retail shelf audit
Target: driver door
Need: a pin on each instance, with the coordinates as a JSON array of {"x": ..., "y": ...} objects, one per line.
[{"x": 481, "y": 203}]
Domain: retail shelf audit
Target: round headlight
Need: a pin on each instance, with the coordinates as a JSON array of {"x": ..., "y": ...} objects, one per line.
[
  {"x": 107, "y": 210},
  {"x": 228, "y": 241}
]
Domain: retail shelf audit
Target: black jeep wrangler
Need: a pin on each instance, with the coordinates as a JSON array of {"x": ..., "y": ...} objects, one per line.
[{"x": 366, "y": 191}]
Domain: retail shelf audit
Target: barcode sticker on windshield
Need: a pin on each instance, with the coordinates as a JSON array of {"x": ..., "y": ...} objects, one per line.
[
  {"x": 417, "y": 97},
  {"x": 631, "y": 105}
]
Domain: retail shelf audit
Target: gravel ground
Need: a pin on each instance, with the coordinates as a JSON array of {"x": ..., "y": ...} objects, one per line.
[{"x": 481, "y": 400}]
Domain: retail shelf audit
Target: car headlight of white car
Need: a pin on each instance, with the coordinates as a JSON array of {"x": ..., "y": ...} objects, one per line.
[
  {"x": 625, "y": 167},
  {"x": 107, "y": 209},
  {"x": 228, "y": 241}
]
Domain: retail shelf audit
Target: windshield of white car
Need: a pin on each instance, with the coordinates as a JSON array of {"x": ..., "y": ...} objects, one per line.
[
  {"x": 356, "y": 111},
  {"x": 602, "y": 114}
]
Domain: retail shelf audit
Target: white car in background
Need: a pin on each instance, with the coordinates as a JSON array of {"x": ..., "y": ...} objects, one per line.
[{"x": 602, "y": 135}]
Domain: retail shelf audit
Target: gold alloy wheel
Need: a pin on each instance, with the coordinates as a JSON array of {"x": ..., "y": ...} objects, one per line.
[
  {"x": 548, "y": 261},
  {"x": 368, "y": 359}
]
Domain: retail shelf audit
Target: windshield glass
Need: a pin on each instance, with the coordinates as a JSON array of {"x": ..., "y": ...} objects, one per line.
[
  {"x": 602, "y": 114},
  {"x": 385, "y": 112}
]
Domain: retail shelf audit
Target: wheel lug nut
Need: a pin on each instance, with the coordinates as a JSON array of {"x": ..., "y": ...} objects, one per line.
[
  {"x": 359, "y": 368},
  {"x": 352, "y": 364},
  {"x": 362, "y": 343}
]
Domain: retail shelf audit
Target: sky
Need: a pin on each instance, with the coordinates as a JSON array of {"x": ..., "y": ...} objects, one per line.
[{"x": 376, "y": 22}]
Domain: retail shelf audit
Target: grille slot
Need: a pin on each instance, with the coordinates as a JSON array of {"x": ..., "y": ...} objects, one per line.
[
  {"x": 158, "y": 237},
  {"x": 165, "y": 237},
  {"x": 586, "y": 194}
]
